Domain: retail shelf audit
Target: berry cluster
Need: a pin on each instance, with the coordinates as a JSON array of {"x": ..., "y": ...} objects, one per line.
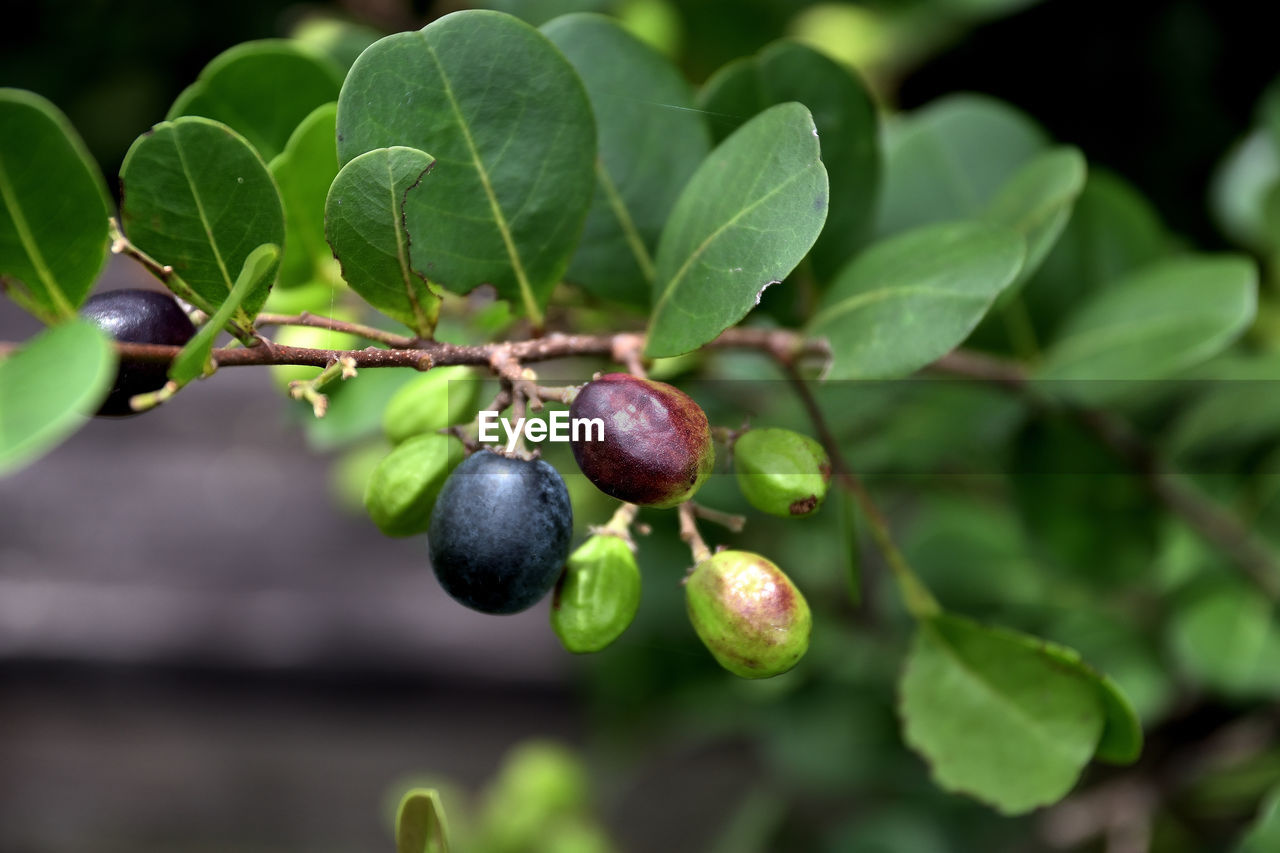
[{"x": 499, "y": 526}]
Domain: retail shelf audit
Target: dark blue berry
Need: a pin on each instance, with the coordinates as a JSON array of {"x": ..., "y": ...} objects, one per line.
[
  {"x": 139, "y": 317},
  {"x": 500, "y": 531}
]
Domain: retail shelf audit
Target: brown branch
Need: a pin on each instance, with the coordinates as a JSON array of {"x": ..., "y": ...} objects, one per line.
[
  {"x": 428, "y": 354},
  {"x": 316, "y": 321},
  {"x": 1215, "y": 524}
]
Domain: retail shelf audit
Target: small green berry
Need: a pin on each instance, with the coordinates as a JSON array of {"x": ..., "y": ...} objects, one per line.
[
  {"x": 781, "y": 472},
  {"x": 597, "y": 596},
  {"x": 403, "y": 488},
  {"x": 441, "y": 397},
  {"x": 748, "y": 613}
]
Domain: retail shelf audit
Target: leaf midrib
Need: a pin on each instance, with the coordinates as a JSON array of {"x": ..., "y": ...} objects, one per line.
[
  {"x": 499, "y": 219},
  {"x": 702, "y": 247},
  {"x": 880, "y": 294},
  {"x": 397, "y": 225},
  {"x": 1088, "y": 345},
  {"x": 27, "y": 238},
  {"x": 200, "y": 212},
  {"x": 629, "y": 231}
]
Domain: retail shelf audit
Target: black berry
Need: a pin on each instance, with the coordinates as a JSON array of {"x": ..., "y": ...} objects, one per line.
[
  {"x": 500, "y": 531},
  {"x": 139, "y": 317}
]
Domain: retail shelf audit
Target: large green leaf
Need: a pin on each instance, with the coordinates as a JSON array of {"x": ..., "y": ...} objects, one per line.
[
  {"x": 1112, "y": 231},
  {"x": 1158, "y": 320},
  {"x": 1227, "y": 639},
  {"x": 650, "y": 142},
  {"x": 53, "y": 208},
  {"x": 910, "y": 299},
  {"x": 303, "y": 173},
  {"x": 848, "y": 130},
  {"x": 191, "y": 362},
  {"x": 365, "y": 226},
  {"x": 947, "y": 160},
  {"x": 996, "y": 717},
  {"x": 198, "y": 198},
  {"x": 49, "y": 386},
  {"x": 262, "y": 90},
  {"x": 508, "y": 119},
  {"x": 748, "y": 215},
  {"x": 1037, "y": 203}
]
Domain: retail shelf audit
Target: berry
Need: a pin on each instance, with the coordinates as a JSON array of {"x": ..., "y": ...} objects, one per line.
[
  {"x": 781, "y": 472},
  {"x": 657, "y": 443},
  {"x": 499, "y": 532},
  {"x": 403, "y": 488},
  {"x": 438, "y": 398},
  {"x": 597, "y": 596},
  {"x": 748, "y": 614},
  {"x": 139, "y": 317}
]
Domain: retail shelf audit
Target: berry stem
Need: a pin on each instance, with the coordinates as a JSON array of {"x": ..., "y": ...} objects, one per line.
[
  {"x": 916, "y": 596},
  {"x": 735, "y": 523},
  {"x": 689, "y": 533}
]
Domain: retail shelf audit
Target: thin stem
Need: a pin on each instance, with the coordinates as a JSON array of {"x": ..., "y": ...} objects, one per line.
[
  {"x": 121, "y": 245},
  {"x": 314, "y": 321},
  {"x": 619, "y": 525},
  {"x": 917, "y": 597},
  {"x": 734, "y": 523},
  {"x": 689, "y": 533},
  {"x": 1210, "y": 520}
]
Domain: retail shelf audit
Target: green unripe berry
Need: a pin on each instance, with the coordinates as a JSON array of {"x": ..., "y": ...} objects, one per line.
[
  {"x": 748, "y": 613},
  {"x": 403, "y": 488},
  {"x": 597, "y": 596},
  {"x": 781, "y": 472},
  {"x": 441, "y": 397}
]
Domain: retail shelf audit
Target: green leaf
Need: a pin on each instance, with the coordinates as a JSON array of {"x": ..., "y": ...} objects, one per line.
[
  {"x": 1157, "y": 321},
  {"x": 748, "y": 215},
  {"x": 1121, "y": 739},
  {"x": 1226, "y": 638},
  {"x": 910, "y": 299},
  {"x": 303, "y": 173},
  {"x": 420, "y": 823},
  {"x": 848, "y": 131},
  {"x": 949, "y": 159},
  {"x": 1037, "y": 203},
  {"x": 49, "y": 386},
  {"x": 340, "y": 40},
  {"x": 650, "y": 142},
  {"x": 364, "y": 216},
  {"x": 996, "y": 717},
  {"x": 53, "y": 209},
  {"x": 1238, "y": 192},
  {"x": 197, "y": 197},
  {"x": 1237, "y": 411},
  {"x": 262, "y": 90},
  {"x": 1112, "y": 231},
  {"x": 191, "y": 362},
  {"x": 507, "y": 117}
]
